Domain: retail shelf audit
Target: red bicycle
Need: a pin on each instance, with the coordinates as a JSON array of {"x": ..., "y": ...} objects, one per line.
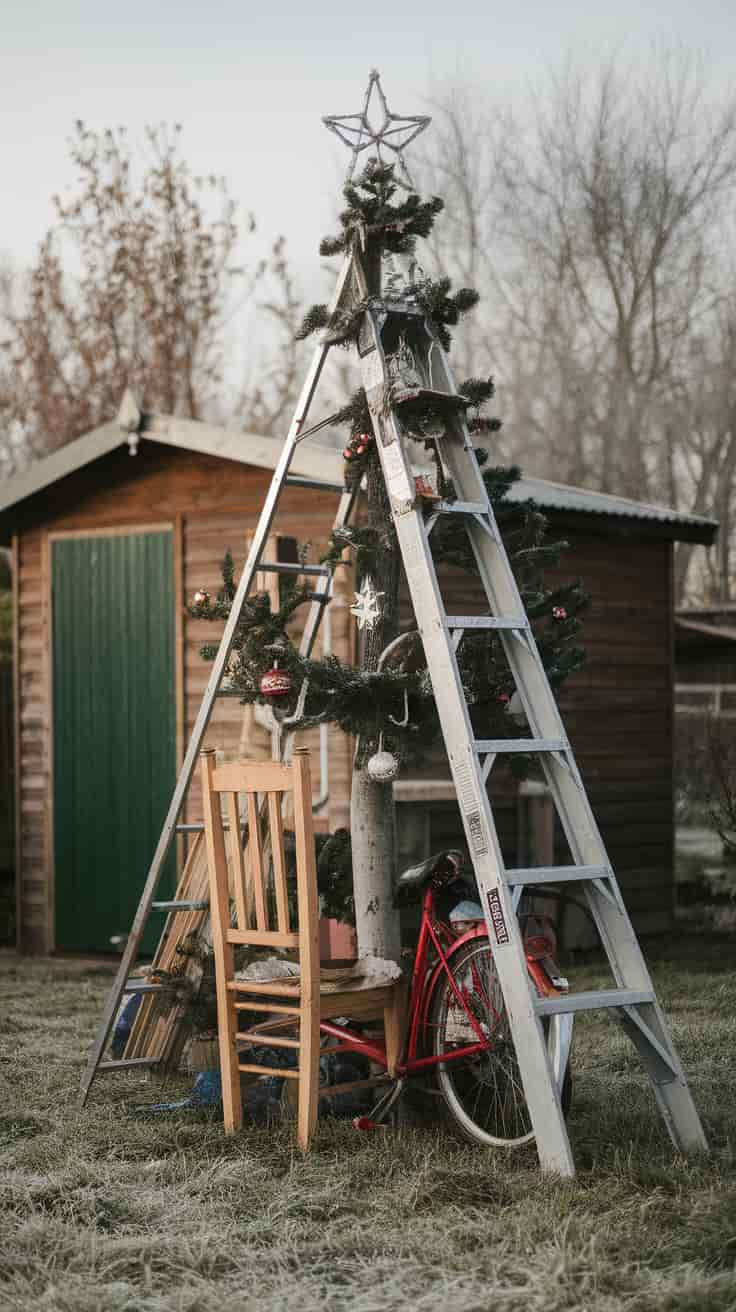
[{"x": 457, "y": 1027}]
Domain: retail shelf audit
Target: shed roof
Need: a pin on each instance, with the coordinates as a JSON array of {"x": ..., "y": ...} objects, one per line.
[
  {"x": 263, "y": 452},
  {"x": 703, "y": 629},
  {"x": 560, "y": 496}
]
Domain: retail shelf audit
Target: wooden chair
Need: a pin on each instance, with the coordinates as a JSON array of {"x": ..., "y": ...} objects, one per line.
[{"x": 260, "y": 888}]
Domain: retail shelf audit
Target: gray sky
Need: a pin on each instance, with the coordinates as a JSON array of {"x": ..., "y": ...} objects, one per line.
[{"x": 250, "y": 81}]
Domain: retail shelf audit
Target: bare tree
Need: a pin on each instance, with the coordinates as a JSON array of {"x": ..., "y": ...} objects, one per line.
[
  {"x": 274, "y": 374},
  {"x": 599, "y": 225},
  {"x": 134, "y": 285},
  {"x": 700, "y": 429}
]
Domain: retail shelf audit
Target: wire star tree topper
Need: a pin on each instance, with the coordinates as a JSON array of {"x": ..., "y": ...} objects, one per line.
[{"x": 394, "y": 133}]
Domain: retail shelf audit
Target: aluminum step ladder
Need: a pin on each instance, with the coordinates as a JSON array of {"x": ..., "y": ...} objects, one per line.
[{"x": 633, "y": 1001}]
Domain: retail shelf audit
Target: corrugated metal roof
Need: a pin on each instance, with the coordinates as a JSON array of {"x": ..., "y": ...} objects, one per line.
[
  {"x": 559, "y": 496},
  {"x": 264, "y": 452}
]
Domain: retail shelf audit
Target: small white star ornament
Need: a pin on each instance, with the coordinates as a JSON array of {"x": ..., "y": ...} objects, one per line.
[{"x": 367, "y": 608}]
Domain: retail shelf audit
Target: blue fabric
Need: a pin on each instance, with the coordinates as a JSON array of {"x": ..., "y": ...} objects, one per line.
[
  {"x": 124, "y": 1025},
  {"x": 467, "y": 910},
  {"x": 262, "y": 1098}
]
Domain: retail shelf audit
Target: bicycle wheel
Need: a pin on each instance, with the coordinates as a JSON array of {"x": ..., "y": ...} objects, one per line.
[{"x": 483, "y": 1095}]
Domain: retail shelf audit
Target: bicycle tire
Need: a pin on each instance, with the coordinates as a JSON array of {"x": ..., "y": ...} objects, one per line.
[{"x": 498, "y": 1117}]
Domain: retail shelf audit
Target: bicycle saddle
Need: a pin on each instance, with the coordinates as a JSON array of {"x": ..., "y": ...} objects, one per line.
[{"x": 447, "y": 864}]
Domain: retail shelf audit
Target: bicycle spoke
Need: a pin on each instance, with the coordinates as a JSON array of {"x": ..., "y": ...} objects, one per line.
[{"x": 484, "y": 1091}]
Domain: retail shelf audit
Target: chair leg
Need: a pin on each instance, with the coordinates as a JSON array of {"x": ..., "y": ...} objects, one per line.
[
  {"x": 308, "y": 1075},
  {"x": 394, "y": 1014},
  {"x": 232, "y": 1100}
]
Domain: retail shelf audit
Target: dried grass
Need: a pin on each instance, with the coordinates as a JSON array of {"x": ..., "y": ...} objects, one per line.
[{"x": 111, "y": 1209}]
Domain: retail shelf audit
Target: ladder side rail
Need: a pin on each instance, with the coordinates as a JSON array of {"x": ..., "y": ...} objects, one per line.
[
  {"x": 130, "y": 951},
  {"x": 573, "y": 807},
  {"x": 626, "y": 959},
  {"x": 540, "y": 706},
  {"x": 586, "y": 844},
  {"x": 535, "y": 1066},
  {"x": 619, "y": 939}
]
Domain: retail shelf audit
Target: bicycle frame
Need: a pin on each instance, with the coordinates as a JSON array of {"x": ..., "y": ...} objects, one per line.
[{"x": 426, "y": 974}]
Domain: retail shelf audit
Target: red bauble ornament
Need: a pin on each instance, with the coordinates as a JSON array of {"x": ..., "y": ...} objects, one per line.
[
  {"x": 559, "y": 613},
  {"x": 347, "y": 453},
  {"x": 504, "y": 697},
  {"x": 363, "y": 438},
  {"x": 275, "y": 682}
]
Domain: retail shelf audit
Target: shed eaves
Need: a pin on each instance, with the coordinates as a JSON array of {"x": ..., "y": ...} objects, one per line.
[
  {"x": 718, "y": 632},
  {"x": 264, "y": 452},
  {"x": 560, "y": 496}
]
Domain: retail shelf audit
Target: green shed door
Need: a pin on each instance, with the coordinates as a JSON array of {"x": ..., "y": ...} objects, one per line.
[{"x": 114, "y": 729}]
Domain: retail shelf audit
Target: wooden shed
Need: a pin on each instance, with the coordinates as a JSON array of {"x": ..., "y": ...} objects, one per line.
[{"x": 112, "y": 534}]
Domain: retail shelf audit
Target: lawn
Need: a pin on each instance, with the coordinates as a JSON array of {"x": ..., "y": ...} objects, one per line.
[{"x": 112, "y": 1209}]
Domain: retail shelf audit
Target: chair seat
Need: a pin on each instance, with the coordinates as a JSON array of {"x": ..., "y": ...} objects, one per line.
[{"x": 360, "y": 1000}]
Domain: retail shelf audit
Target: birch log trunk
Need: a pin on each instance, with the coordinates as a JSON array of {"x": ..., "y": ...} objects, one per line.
[
  {"x": 372, "y": 829},
  {"x": 372, "y": 815}
]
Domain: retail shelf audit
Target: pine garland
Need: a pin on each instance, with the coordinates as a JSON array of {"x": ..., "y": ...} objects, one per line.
[
  {"x": 443, "y": 308},
  {"x": 372, "y": 216},
  {"x": 370, "y": 210},
  {"x": 366, "y": 704}
]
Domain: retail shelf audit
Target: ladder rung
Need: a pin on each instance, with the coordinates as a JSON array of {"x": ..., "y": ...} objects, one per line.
[
  {"x": 297, "y": 480},
  {"x": 269, "y": 1040},
  {"x": 485, "y": 622},
  {"x": 405, "y": 309},
  {"x": 460, "y": 508},
  {"x": 147, "y": 986},
  {"x": 556, "y": 874},
  {"x": 596, "y": 999},
  {"x": 126, "y": 1062},
  {"x": 289, "y": 567},
  {"x": 180, "y": 906},
  {"x": 496, "y": 745},
  {"x": 451, "y": 400},
  {"x": 197, "y": 827}
]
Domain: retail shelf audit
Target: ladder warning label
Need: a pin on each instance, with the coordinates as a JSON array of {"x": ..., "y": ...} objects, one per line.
[
  {"x": 465, "y": 786},
  {"x": 498, "y": 920},
  {"x": 477, "y": 837}
]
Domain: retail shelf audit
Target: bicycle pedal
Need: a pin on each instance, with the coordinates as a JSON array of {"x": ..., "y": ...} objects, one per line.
[{"x": 365, "y": 1123}]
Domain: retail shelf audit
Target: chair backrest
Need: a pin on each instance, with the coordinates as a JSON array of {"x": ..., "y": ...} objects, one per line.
[{"x": 252, "y": 793}]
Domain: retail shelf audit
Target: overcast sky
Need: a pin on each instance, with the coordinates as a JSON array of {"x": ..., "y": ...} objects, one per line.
[{"x": 249, "y": 83}]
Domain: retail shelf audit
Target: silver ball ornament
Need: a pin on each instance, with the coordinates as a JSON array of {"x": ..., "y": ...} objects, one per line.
[{"x": 382, "y": 767}]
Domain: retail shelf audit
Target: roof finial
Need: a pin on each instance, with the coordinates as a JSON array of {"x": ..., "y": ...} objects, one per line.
[{"x": 129, "y": 419}]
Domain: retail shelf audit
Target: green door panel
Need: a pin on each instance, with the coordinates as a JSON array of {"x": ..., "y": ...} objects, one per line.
[{"x": 114, "y": 729}]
